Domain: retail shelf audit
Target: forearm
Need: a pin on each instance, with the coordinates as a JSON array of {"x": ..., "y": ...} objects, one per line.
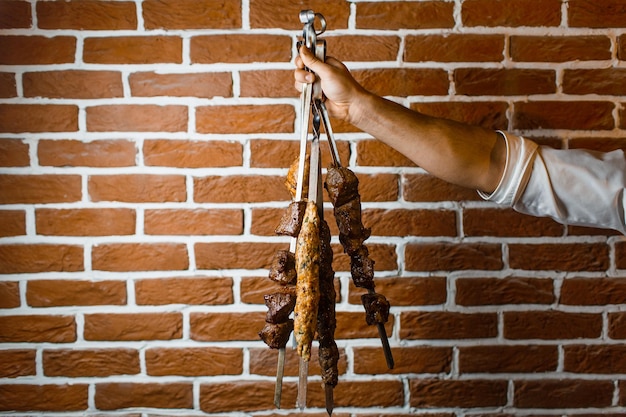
[{"x": 465, "y": 155}]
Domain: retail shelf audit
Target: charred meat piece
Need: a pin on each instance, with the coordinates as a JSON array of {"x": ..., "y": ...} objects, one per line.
[
  {"x": 291, "y": 182},
  {"x": 352, "y": 233},
  {"x": 342, "y": 185},
  {"x": 279, "y": 306},
  {"x": 326, "y": 320},
  {"x": 307, "y": 285},
  {"x": 376, "y": 308},
  {"x": 362, "y": 269},
  {"x": 291, "y": 219},
  {"x": 283, "y": 268},
  {"x": 276, "y": 335}
]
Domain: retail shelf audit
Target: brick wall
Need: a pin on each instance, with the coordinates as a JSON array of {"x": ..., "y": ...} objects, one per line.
[{"x": 143, "y": 147}]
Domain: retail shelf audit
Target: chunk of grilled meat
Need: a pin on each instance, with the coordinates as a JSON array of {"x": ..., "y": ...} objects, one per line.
[
  {"x": 283, "y": 268},
  {"x": 276, "y": 335},
  {"x": 342, "y": 185},
  {"x": 326, "y": 321},
  {"x": 279, "y": 306},
  {"x": 376, "y": 308},
  {"x": 307, "y": 285},
  {"x": 291, "y": 220},
  {"x": 291, "y": 182}
]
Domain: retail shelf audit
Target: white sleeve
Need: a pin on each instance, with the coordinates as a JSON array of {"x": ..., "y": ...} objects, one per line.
[{"x": 577, "y": 187}]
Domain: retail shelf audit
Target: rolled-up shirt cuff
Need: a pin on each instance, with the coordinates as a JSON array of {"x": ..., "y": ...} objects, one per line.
[{"x": 519, "y": 155}]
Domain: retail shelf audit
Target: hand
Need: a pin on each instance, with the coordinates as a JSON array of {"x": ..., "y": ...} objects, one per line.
[{"x": 342, "y": 91}]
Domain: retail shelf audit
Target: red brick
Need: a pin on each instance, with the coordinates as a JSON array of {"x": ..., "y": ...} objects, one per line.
[
  {"x": 406, "y": 291},
  {"x": 504, "y": 82},
  {"x": 378, "y": 187},
  {"x": 263, "y": 362},
  {"x": 352, "y": 325},
  {"x": 35, "y": 118},
  {"x": 54, "y": 293},
  {"x": 37, "y": 50},
  {"x": 576, "y": 115},
  {"x": 593, "y": 291},
  {"x": 557, "y": 394},
  {"x": 267, "y": 83},
  {"x": 621, "y": 47},
  {"x": 137, "y": 188},
  {"x": 368, "y": 48},
  {"x": 452, "y": 393},
  {"x": 193, "y": 222},
  {"x": 171, "y": 395},
  {"x": 236, "y": 48},
  {"x": 426, "y": 188},
  {"x": 129, "y": 327},
  {"x": 32, "y": 258},
  {"x": 120, "y": 257},
  {"x": 560, "y": 257},
  {"x": 269, "y": 153},
  {"x": 44, "y": 397},
  {"x": 86, "y": 15},
  {"x": 404, "y": 82},
  {"x": 85, "y": 222},
  {"x": 205, "y": 85},
  {"x": 598, "y": 144},
  {"x": 447, "y": 325},
  {"x": 79, "y": 84},
  {"x": 9, "y": 294},
  {"x": 137, "y": 118},
  {"x": 384, "y": 255},
  {"x": 277, "y": 118},
  {"x": 47, "y": 188},
  {"x": 8, "y": 85},
  {"x": 551, "y": 325},
  {"x": 212, "y": 327},
  {"x": 90, "y": 363},
  {"x": 499, "y": 291},
  {"x": 236, "y": 255},
  {"x": 377, "y": 153},
  {"x": 240, "y": 396},
  {"x": 489, "y": 222},
  {"x": 404, "y": 222},
  {"x": 194, "y": 361},
  {"x": 191, "y": 14},
  {"x": 408, "y": 360},
  {"x": 511, "y": 13},
  {"x": 383, "y": 393},
  {"x": 507, "y": 359},
  {"x": 184, "y": 290},
  {"x": 453, "y": 256},
  {"x": 602, "y": 359},
  {"x": 488, "y": 114},
  {"x": 454, "y": 48},
  {"x": 403, "y": 15},
  {"x": 98, "y": 153},
  {"x": 16, "y": 363},
  {"x": 559, "y": 48},
  {"x": 15, "y": 14},
  {"x": 596, "y": 14},
  {"x": 239, "y": 188},
  {"x": 192, "y": 154},
  {"x": 133, "y": 50},
  {"x": 284, "y": 14},
  {"x": 610, "y": 81},
  {"x": 12, "y": 223},
  {"x": 37, "y": 329},
  {"x": 617, "y": 325}
]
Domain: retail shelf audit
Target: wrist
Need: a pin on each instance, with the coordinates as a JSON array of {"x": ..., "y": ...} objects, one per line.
[{"x": 358, "y": 109}]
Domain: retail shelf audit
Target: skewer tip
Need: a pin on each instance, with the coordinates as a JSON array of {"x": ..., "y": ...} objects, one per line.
[{"x": 330, "y": 401}]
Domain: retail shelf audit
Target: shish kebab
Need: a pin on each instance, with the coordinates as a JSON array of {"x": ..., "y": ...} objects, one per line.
[{"x": 314, "y": 304}]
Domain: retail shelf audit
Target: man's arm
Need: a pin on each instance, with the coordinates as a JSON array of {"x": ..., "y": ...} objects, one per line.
[{"x": 465, "y": 155}]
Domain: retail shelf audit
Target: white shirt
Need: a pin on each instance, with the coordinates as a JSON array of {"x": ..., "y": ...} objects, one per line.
[{"x": 575, "y": 186}]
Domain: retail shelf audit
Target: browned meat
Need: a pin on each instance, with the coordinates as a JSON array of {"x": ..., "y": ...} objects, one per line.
[
  {"x": 352, "y": 233},
  {"x": 292, "y": 177},
  {"x": 283, "y": 268},
  {"x": 276, "y": 335},
  {"x": 326, "y": 321},
  {"x": 279, "y": 305},
  {"x": 291, "y": 219},
  {"x": 307, "y": 286},
  {"x": 362, "y": 268},
  {"x": 342, "y": 185},
  {"x": 376, "y": 308}
]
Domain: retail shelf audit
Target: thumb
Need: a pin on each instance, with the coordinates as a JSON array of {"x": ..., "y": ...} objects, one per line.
[{"x": 311, "y": 61}]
